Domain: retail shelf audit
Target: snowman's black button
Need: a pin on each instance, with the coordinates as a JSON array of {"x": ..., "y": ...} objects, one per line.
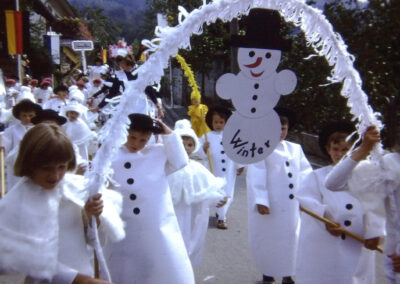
[
  {"x": 291, "y": 196},
  {"x": 291, "y": 186},
  {"x": 255, "y": 97},
  {"x": 349, "y": 206},
  {"x": 127, "y": 165},
  {"x": 287, "y": 164},
  {"x": 290, "y": 175},
  {"x": 343, "y": 236},
  {"x": 223, "y": 169},
  {"x": 253, "y": 110},
  {"x": 130, "y": 181},
  {"x": 136, "y": 211},
  {"x": 256, "y": 86},
  {"x": 132, "y": 196},
  {"x": 347, "y": 223},
  {"x": 223, "y": 160}
]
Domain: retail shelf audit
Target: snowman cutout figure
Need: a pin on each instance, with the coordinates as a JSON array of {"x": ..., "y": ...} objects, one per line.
[{"x": 254, "y": 129}]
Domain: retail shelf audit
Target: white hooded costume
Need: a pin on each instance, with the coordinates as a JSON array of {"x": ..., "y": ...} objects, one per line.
[{"x": 194, "y": 189}]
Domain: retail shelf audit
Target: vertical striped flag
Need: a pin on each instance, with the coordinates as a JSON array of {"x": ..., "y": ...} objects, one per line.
[{"x": 14, "y": 32}]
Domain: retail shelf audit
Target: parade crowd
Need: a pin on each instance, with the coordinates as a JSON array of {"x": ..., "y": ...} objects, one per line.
[{"x": 153, "y": 214}]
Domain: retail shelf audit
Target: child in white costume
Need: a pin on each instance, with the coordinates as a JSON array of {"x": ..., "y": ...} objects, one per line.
[
  {"x": 153, "y": 250},
  {"x": 24, "y": 111},
  {"x": 323, "y": 246},
  {"x": 59, "y": 101},
  {"x": 223, "y": 166},
  {"x": 44, "y": 218},
  {"x": 273, "y": 209},
  {"x": 193, "y": 190},
  {"x": 76, "y": 129},
  {"x": 374, "y": 184}
]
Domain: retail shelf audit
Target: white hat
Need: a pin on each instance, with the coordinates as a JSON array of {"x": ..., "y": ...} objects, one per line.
[
  {"x": 72, "y": 88},
  {"x": 77, "y": 95},
  {"x": 184, "y": 128},
  {"x": 73, "y": 106}
]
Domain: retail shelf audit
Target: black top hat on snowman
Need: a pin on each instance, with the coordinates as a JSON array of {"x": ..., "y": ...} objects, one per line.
[{"x": 262, "y": 31}]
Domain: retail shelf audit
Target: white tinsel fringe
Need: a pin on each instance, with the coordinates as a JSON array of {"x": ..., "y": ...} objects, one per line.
[{"x": 319, "y": 34}]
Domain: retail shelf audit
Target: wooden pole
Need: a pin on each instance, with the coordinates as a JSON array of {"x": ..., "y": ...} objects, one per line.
[
  {"x": 204, "y": 126},
  {"x": 209, "y": 155},
  {"x": 329, "y": 222},
  {"x": 2, "y": 169}
]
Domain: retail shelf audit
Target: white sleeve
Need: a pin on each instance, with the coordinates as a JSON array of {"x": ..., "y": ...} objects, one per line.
[
  {"x": 256, "y": 180},
  {"x": 177, "y": 157},
  {"x": 309, "y": 195},
  {"x": 337, "y": 179}
]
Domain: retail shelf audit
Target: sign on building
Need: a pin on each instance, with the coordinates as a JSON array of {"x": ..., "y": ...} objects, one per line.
[{"x": 82, "y": 45}]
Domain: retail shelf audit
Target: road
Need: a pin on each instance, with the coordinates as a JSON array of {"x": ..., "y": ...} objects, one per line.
[{"x": 227, "y": 258}]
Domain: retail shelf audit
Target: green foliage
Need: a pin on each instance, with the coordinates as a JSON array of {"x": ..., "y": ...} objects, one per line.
[
  {"x": 315, "y": 100},
  {"x": 102, "y": 28},
  {"x": 372, "y": 35},
  {"x": 117, "y": 18}
]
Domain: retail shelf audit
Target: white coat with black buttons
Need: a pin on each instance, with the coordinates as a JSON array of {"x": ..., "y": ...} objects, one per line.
[
  {"x": 153, "y": 250},
  {"x": 273, "y": 182}
]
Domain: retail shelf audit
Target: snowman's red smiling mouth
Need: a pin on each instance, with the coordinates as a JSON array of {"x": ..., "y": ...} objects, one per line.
[{"x": 254, "y": 65}]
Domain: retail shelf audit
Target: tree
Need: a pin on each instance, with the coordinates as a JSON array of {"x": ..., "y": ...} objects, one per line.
[
  {"x": 372, "y": 35},
  {"x": 103, "y": 29}
]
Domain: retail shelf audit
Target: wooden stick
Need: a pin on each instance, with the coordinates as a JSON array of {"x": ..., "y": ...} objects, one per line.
[
  {"x": 329, "y": 222},
  {"x": 2, "y": 169},
  {"x": 209, "y": 155},
  {"x": 204, "y": 126}
]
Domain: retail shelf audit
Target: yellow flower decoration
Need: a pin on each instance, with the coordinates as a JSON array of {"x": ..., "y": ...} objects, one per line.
[{"x": 190, "y": 76}]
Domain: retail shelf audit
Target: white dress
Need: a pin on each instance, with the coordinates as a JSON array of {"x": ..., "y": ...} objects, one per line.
[
  {"x": 42, "y": 95},
  {"x": 194, "y": 189},
  {"x": 153, "y": 250},
  {"x": 322, "y": 257},
  {"x": 274, "y": 182},
  {"x": 223, "y": 167},
  {"x": 80, "y": 134}
]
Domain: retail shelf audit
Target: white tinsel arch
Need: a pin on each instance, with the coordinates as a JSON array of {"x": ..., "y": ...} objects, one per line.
[{"x": 319, "y": 34}]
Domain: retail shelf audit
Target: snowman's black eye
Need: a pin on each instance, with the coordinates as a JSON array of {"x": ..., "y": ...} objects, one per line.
[
  {"x": 268, "y": 55},
  {"x": 252, "y": 53}
]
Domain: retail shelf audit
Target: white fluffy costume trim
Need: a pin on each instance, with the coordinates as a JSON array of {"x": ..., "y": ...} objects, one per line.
[
  {"x": 194, "y": 183},
  {"x": 29, "y": 230},
  {"x": 29, "y": 224}
]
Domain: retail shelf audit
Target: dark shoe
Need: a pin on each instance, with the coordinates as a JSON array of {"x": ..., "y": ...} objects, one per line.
[
  {"x": 287, "y": 280},
  {"x": 267, "y": 280},
  {"x": 222, "y": 225}
]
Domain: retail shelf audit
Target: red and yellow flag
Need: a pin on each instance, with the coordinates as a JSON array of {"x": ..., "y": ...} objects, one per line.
[{"x": 14, "y": 32}]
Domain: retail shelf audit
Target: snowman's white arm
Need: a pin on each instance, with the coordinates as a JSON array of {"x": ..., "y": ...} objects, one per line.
[
  {"x": 226, "y": 85},
  {"x": 285, "y": 82}
]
